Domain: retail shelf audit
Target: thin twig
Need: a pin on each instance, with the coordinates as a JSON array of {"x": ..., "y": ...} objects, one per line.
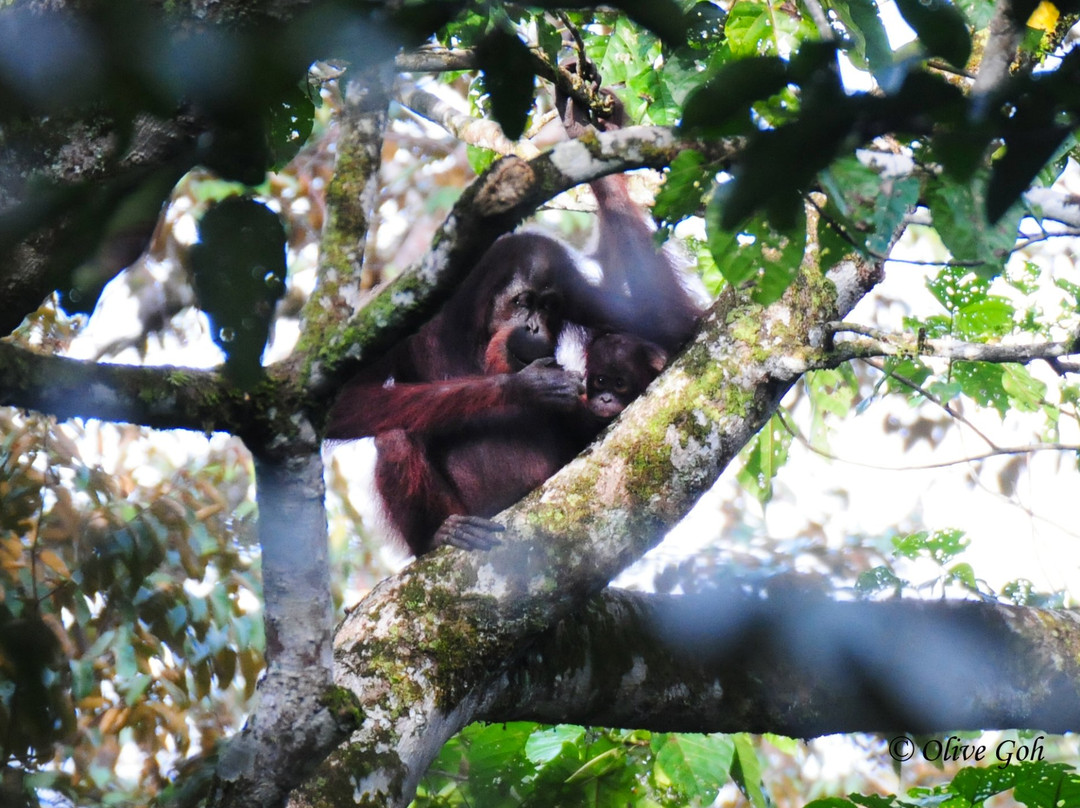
[
  {"x": 909, "y": 383},
  {"x": 882, "y": 343},
  {"x": 1005, "y": 451}
]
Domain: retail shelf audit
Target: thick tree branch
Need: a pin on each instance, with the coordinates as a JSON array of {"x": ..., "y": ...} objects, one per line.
[
  {"x": 268, "y": 417},
  {"x": 435, "y": 60},
  {"x": 299, "y": 712},
  {"x": 797, "y": 664},
  {"x": 87, "y": 165},
  {"x": 159, "y": 397},
  {"x": 350, "y": 204}
]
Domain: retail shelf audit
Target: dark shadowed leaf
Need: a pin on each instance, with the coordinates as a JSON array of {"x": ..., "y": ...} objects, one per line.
[
  {"x": 722, "y": 105},
  {"x": 508, "y": 79},
  {"x": 239, "y": 273},
  {"x": 779, "y": 164},
  {"x": 941, "y": 28},
  {"x": 291, "y": 119},
  {"x": 705, "y": 24},
  {"x": 1026, "y": 152}
]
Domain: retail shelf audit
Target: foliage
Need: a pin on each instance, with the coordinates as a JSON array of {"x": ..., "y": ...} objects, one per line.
[
  {"x": 1035, "y": 785},
  {"x": 129, "y": 618},
  {"x": 530, "y": 764}
]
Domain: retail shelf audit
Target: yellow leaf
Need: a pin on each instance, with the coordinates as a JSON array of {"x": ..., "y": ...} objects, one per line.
[
  {"x": 51, "y": 560},
  {"x": 1044, "y": 18},
  {"x": 11, "y": 552},
  {"x": 113, "y": 720}
]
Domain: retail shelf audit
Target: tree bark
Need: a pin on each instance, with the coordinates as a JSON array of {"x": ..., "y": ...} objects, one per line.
[{"x": 797, "y": 664}]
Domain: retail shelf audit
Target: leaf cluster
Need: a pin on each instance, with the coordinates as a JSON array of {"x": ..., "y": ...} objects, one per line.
[
  {"x": 1033, "y": 784},
  {"x": 126, "y": 617},
  {"x": 530, "y": 764}
]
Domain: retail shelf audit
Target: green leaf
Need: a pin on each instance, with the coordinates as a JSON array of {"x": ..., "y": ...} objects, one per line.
[
  {"x": 749, "y": 29},
  {"x": 746, "y": 772},
  {"x": 1026, "y": 392},
  {"x": 969, "y": 237},
  {"x": 497, "y": 759},
  {"x": 965, "y": 575},
  {"x": 870, "y": 44},
  {"x": 685, "y": 183},
  {"x": 764, "y": 457},
  {"x": 982, "y": 382},
  {"x": 942, "y": 545},
  {"x": 599, "y": 765},
  {"x": 941, "y": 28},
  {"x": 831, "y": 392},
  {"x": 977, "y": 784},
  {"x": 547, "y": 37},
  {"x": 878, "y": 579},
  {"x": 546, "y": 743},
  {"x": 868, "y": 206},
  {"x": 728, "y": 94},
  {"x": 991, "y": 317},
  {"x": 1040, "y": 784},
  {"x": 758, "y": 252},
  {"x": 1051, "y": 172},
  {"x": 695, "y": 765},
  {"x": 977, "y": 12},
  {"x": 136, "y": 688},
  {"x": 480, "y": 158},
  {"x": 663, "y": 106},
  {"x": 620, "y": 51},
  {"x": 957, "y": 287}
]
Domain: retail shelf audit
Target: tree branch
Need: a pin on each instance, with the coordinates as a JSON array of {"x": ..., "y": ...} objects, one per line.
[
  {"x": 350, "y": 204},
  {"x": 435, "y": 60},
  {"x": 797, "y": 664},
  {"x": 882, "y": 343},
  {"x": 298, "y": 710},
  {"x": 159, "y": 397},
  {"x": 474, "y": 131}
]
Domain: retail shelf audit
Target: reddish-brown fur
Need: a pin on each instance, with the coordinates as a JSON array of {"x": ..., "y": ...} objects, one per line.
[{"x": 469, "y": 416}]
